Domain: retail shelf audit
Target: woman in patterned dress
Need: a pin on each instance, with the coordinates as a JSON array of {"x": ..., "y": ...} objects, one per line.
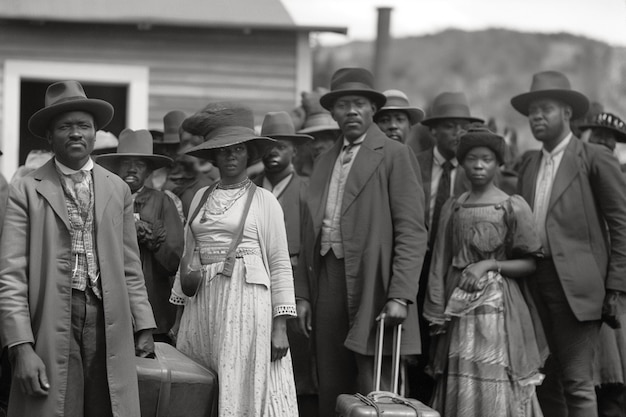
[
  {"x": 237, "y": 325},
  {"x": 486, "y": 356}
]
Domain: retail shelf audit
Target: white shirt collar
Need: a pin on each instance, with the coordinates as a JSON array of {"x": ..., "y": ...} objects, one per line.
[
  {"x": 65, "y": 170},
  {"x": 440, "y": 160}
]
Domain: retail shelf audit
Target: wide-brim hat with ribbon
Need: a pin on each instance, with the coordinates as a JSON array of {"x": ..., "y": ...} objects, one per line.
[
  {"x": 397, "y": 100},
  {"x": 278, "y": 125},
  {"x": 67, "y": 96},
  {"x": 450, "y": 105},
  {"x": 352, "y": 81},
  {"x": 553, "y": 85},
  {"x": 172, "y": 122},
  {"x": 608, "y": 121},
  {"x": 224, "y": 124},
  {"x": 134, "y": 143}
]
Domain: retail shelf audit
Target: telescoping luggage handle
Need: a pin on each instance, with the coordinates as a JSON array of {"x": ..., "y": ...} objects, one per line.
[{"x": 395, "y": 355}]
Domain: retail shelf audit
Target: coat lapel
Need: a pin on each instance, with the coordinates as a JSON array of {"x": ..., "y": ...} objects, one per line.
[
  {"x": 365, "y": 164},
  {"x": 319, "y": 181},
  {"x": 102, "y": 190},
  {"x": 568, "y": 170},
  {"x": 529, "y": 185},
  {"x": 51, "y": 189}
]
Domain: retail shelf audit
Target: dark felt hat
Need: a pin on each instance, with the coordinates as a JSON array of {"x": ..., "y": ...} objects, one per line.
[
  {"x": 352, "y": 81},
  {"x": 67, "y": 96},
  {"x": 608, "y": 121},
  {"x": 135, "y": 143},
  {"x": 481, "y": 136},
  {"x": 225, "y": 124},
  {"x": 171, "y": 125},
  {"x": 278, "y": 125},
  {"x": 397, "y": 100},
  {"x": 553, "y": 85},
  {"x": 450, "y": 105}
]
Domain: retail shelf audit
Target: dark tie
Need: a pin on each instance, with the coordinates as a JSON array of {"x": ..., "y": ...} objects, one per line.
[
  {"x": 443, "y": 193},
  {"x": 348, "y": 152}
]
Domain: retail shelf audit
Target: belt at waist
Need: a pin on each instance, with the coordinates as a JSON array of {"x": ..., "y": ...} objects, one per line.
[{"x": 211, "y": 255}]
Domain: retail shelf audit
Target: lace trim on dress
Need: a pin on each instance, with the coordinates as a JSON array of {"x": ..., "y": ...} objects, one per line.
[
  {"x": 285, "y": 310},
  {"x": 176, "y": 300}
]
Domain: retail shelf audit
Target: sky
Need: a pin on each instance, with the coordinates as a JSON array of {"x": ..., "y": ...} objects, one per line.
[{"x": 604, "y": 20}]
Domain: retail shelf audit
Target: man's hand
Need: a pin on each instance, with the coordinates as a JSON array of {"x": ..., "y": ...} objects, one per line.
[
  {"x": 29, "y": 370},
  {"x": 394, "y": 313},
  {"x": 280, "y": 343},
  {"x": 305, "y": 314},
  {"x": 144, "y": 343},
  {"x": 613, "y": 307}
]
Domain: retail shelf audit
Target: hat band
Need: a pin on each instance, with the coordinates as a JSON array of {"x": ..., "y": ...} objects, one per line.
[
  {"x": 66, "y": 99},
  {"x": 229, "y": 131},
  {"x": 352, "y": 86}
]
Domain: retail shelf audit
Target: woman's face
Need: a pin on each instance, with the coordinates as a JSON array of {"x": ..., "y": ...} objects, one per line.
[
  {"x": 480, "y": 165},
  {"x": 232, "y": 161}
]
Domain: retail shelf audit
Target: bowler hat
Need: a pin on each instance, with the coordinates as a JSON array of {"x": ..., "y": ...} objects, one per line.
[
  {"x": 134, "y": 143},
  {"x": 608, "y": 121},
  {"x": 352, "y": 81},
  {"x": 171, "y": 125},
  {"x": 450, "y": 105},
  {"x": 225, "y": 124},
  {"x": 397, "y": 100},
  {"x": 278, "y": 125},
  {"x": 67, "y": 96},
  {"x": 554, "y": 85}
]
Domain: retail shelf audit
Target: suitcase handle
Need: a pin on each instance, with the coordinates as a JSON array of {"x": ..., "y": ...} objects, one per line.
[{"x": 395, "y": 355}]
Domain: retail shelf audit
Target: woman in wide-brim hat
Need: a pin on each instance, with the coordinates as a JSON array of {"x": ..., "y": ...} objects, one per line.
[{"x": 237, "y": 325}]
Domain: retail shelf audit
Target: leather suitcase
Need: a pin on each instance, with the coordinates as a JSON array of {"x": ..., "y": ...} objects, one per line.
[
  {"x": 383, "y": 403},
  {"x": 173, "y": 385}
]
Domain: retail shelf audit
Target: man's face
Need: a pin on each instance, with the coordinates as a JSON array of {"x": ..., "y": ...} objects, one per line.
[
  {"x": 447, "y": 133},
  {"x": 395, "y": 124},
  {"x": 354, "y": 114},
  {"x": 279, "y": 156},
  {"x": 72, "y": 136},
  {"x": 548, "y": 119},
  {"x": 602, "y": 136},
  {"x": 133, "y": 171}
]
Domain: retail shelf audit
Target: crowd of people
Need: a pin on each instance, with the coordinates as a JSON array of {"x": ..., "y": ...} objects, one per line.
[{"x": 270, "y": 255}]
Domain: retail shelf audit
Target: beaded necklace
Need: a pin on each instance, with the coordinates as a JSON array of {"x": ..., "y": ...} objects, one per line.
[{"x": 213, "y": 207}]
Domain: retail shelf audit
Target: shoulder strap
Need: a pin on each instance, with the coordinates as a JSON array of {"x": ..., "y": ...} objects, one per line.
[
  {"x": 229, "y": 262},
  {"x": 205, "y": 196}
]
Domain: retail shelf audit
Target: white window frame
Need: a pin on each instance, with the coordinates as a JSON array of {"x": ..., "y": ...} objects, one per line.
[{"x": 136, "y": 78}]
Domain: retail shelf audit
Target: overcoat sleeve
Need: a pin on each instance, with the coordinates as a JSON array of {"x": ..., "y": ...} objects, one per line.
[{"x": 169, "y": 253}]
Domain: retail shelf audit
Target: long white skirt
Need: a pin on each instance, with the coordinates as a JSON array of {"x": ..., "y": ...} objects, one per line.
[{"x": 227, "y": 327}]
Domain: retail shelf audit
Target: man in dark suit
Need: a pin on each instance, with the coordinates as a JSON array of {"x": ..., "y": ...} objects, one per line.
[
  {"x": 442, "y": 178},
  {"x": 363, "y": 241},
  {"x": 578, "y": 196}
]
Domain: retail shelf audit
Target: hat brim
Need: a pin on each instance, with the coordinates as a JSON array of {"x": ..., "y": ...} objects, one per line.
[
  {"x": 620, "y": 135},
  {"x": 431, "y": 121},
  {"x": 101, "y": 111},
  {"x": 295, "y": 137},
  {"x": 328, "y": 100},
  {"x": 578, "y": 101},
  {"x": 416, "y": 114},
  {"x": 321, "y": 128},
  {"x": 155, "y": 161},
  {"x": 205, "y": 150}
]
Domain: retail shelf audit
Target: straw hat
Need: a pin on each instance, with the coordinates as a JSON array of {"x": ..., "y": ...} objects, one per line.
[
  {"x": 397, "y": 100},
  {"x": 608, "y": 121}
]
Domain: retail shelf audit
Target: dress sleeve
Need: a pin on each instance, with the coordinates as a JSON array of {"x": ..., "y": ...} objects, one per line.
[{"x": 522, "y": 239}]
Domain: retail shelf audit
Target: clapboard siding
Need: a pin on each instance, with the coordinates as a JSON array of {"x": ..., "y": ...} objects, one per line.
[{"x": 188, "y": 67}]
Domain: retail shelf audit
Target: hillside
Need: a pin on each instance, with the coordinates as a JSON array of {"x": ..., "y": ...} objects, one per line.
[{"x": 490, "y": 66}]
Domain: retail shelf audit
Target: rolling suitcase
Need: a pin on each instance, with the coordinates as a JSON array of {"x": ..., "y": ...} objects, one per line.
[
  {"x": 383, "y": 403},
  {"x": 173, "y": 385}
]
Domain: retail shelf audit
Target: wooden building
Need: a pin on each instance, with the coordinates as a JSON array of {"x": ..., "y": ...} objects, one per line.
[{"x": 147, "y": 57}]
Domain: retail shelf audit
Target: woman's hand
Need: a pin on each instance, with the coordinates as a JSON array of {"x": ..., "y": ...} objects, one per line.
[
  {"x": 473, "y": 277},
  {"x": 280, "y": 343}
]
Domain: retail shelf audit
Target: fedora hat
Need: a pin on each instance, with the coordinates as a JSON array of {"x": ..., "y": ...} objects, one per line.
[
  {"x": 608, "y": 121},
  {"x": 134, "y": 143},
  {"x": 397, "y": 100},
  {"x": 172, "y": 122},
  {"x": 554, "y": 85},
  {"x": 224, "y": 124},
  {"x": 319, "y": 122},
  {"x": 278, "y": 125},
  {"x": 352, "y": 81},
  {"x": 67, "y": 96},
  {"x": 450, "y": 105}
]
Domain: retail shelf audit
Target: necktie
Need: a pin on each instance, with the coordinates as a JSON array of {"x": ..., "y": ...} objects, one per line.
[
  {"x": 443, "y": 193},
  {"x": 348, "y": 152},
  {"x": 81, "y": 190}
]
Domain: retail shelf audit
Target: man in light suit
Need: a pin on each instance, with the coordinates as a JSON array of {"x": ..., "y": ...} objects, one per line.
[
  {"x": 73, "y": 304},
  {"x": 363, "y": 242},
  {"x": 578, "y": 196}
]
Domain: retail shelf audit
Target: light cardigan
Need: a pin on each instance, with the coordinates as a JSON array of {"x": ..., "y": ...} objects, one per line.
[{"x": 273, "y": 243}]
